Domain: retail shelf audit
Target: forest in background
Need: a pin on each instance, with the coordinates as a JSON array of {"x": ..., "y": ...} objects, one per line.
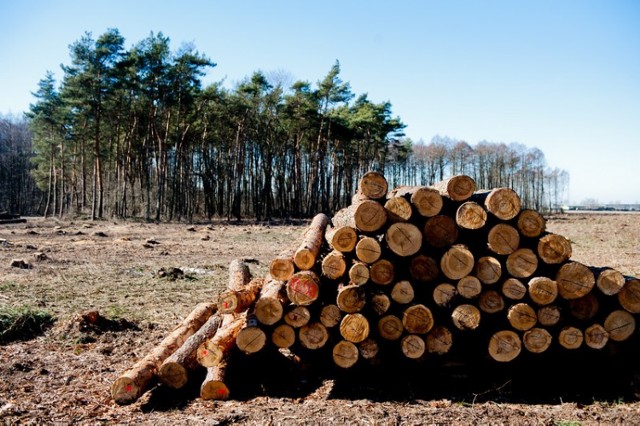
[{"x": 132, "y": 133}]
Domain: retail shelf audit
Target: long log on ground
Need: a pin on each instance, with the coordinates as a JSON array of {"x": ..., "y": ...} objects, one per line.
[
  {"x": 427, "y": 201},
  {"x": 214, "y": 350},
  {"x": 307, "y": 252},
  {"x": 133, "y": 382},
  {"x": 456, "y": 188},
  {"x": 620, "y": 325}
]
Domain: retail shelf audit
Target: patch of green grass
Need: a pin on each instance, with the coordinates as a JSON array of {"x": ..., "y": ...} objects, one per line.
[
  {"x": 115, "y": 311},
  {"x": 7, "y": 285},
  {"x": 23, "y": 323},
  {"x": 567, "y": 423}
]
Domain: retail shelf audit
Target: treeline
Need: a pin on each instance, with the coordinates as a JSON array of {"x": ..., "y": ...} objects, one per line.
[{"x": 133, "y": 133}]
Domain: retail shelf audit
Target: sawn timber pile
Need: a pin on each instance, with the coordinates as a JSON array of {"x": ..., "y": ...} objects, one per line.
[{"x": 408, "y": 274}]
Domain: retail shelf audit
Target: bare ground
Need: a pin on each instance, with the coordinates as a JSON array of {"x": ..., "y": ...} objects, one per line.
[{"x": 64, "y": 376}]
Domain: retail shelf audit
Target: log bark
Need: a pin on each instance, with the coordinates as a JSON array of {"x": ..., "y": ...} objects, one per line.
[
  {"x": 358, "y": 273},
  {"x": 402, "y": 292},
  {"x": 574, "y": 280},
  {"x": 424, "y": 268},
  {"x": 368, "y": 250},
  {"x": 488, "y": 270},
  {"x": 620, "y": 325},
  {"x": 283, "y": 336},
  {"x": 471, "y": 215},
  {"x": 505, "y": 346},
  {"x": 417, "y": 319},
  {"x": 441, "y": 231},
  {"x": 330, "y": 316},
  {"x": 132, "y": 383},
  {"x": 214, "y": 350},
  {"x": 413, "y": 346},
  {"x": 530, "y": 223},
  {"x": 334, "y": 265},
  {"x": 303, "y": 288},
  {"x": 404, "y": 239},
  {"x": 491, "y": 302},
  {"x": 456, "y": 188},
  {"x": 351, "y": 298},
  {"x": 554, "y": 249},
  {"x": 354, "y": 327},
  {"x": 522, "y": 317},
  {"x": 373, "y": 185},
  {"x": 629, "y": 296},
  {"x": 469, "y": 287},
  {"x": 313, "y": 336},
  {"x": 341, "y": 238},
  {"x": 382, "y": 272},
  {"x": 443, "y": 294},
  {"x": 297, "y": 316},
  {"x": 398, "y": 209},
  {"x": 307, "y": 252},
  {"x": 537, "y": 340},
  {"x": 503, "y": 239},
  {"x": 513, "y": 289},
  {"x": 282, "y": 267},
  {"x": 466, "y": 317},
  {"x": 426, "y": 201},
  {"x": 390, "y": 327},
  {"x": 214, "y": 387},
  {"x": 457, "y": 262},
  {"x": 345, "y": 354},
  {"x": 439, "y": 340},
  {"x": 269, "y": 306},
  {"x": 522, "y": 263},
  {"x": 543, "y": 290},
  {"x": 570, "y": 338}
]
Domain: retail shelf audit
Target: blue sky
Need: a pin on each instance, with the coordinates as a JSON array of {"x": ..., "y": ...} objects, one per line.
[{"x": 563, "y": 76}]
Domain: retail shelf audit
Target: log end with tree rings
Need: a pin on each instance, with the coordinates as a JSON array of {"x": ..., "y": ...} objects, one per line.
[
  {"x": 412, "y": 346},
  {"x": 398, "y": 209},
  {"x": 574, "y": 280},
  {"x": 537, "y": 340},
  {"x": 282, "y": 267},
  {"x": 251, "y": 340},
  {"x": 457, "y": 188},
  {"x": 368, "y": 250},
  {"x": 466, "y": 317},
  {"x": 368, "y": 348},
  {"x": 629, "y": 297},
  {"x": 531, "y": 223},
  {"x": 620, "y": 325},
  {"x": 330, "y": 315},
  {"x": 584, "y": 308},
  {"x": 543, "y": 290},
  {"x": 297, "y": 316},
  {"x": 417, "y": 319},
  {"x": 441, "y": 231},
  {"x": 125, "y": 390},
  {"x": 427, "y": 201},
  {"x": 345, "y": 354},
  {"x": 369, "y": 216},
  {"x": 488, "y": 270},
  {"x": 358, "y": 273},
  {"x": 404, "y": 239},
  {"x": 402, "y": 292},
  {"x": 268, "y": 310},
  {"x": 283, "y": 336},
  {"x": 505, "y": 346},
  {"x": 443, "y": 294},
  {"x": 522, "y": 317},
  {"x": 354, "y": 328},
  {"x": 424, "y": 268},
  {"x": 469, "y": 287},
  {"x": 303, "y": 288},
  {"x": 373, "y": 185},
  {"x": 380, "y": 303},
  {"x": 214, "y": 390},
  {"x": 471, "y": 215},
  {"x": 549, "y": 316},
  {"x": 503, "y": 239},
  {"x": 351, "y": 298},
  {"x": 514, "y": 289},
  {"x": 209, "y": 353},
  {"x": 313, "y": 335},
  {"x": 457, "y": 262},
  {"x": 390, "y": 327},
  {"x": 173, "y": 374},
  {"x": 341, "y": 238},
  {"x": 522, "y": 263},
  {"x": 503, "y": 203},
  {"x": 439, "y": 340},
  {"x": 596, "y": 337},
  {"x": 570, "y": 338},
  {"x": 382, "y": 272},
  {"x": 554, "y": 249},
  {"x": 610, "y": 281},
  {"x": 333, "y": 265},
  {"x": 491, "y": 302}
]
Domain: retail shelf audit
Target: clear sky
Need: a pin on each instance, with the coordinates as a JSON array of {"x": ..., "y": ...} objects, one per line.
[{"x": 560, "y": 75}]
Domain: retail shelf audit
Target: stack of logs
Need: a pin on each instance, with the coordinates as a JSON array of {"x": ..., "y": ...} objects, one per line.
[{"x": 414, "y": 271}]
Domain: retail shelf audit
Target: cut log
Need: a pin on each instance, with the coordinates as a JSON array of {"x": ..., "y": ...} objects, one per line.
[
  {"x": 351, "y": 298},
  {"x": 303, "y": 288},
  {"x": 269, "y": 306},
  {"x": 443, "y": 294},
  {"x": 424, "y": 268},
  {"x": 441, "y": 231},
  {"x": 402, "y": 292},
  {"x": 404, "y": 239},
  {"x": 543, "y": 290},
  {"x": 214, "y": 387},
  {"x": 574, "y": 280},
  {"x": 382, "y": 272},
  {"x": 297, "y": 316},
  {"x": 368, "y": 250},
  {"x": 373, "y": 185},
  {"x": 531, "y": 223},
  {"x": 537, "y": 340},
  {"x": 522, "y": 317},
  {"x": 522, "y": 263},
  {"x": 398, "y": 209},
  {"x": 488, "y": 270},
  {"x": 629, "y": 297},
  {"x": 426, "y": 201},
  {"x": 505, "y": 346},
  {"x": 503, "y": 203},
  {"x": 354, "y": 328},
  {"x": 503, "y": 239},
  {"x": 570, "y": 338},
  {"x": 345, "y": 354},
  {"x": 251, "y": 339},
  {"x": 364, "y": 215},
  {"x": 456, "y": 188},
  {"x": 213, "y": 351},
  {"x": 457, "y": 262},
  {"x": 609, "y": 281},
  {"x": 513, "y": 289},
  {"x": 341, "y": 238},
  {"x": 585, "y": 307},
  {"x": 313, "y": 336},
  {"x": 491, "y": 302},
  {"x": 239, "y": 275},
  {"x": 132, "y": 383},
  {"x": 471, "y": 215},
  {"x": 439, "y": 340},
  {"x": 334, "y": 265},
  {"x": 620, "y": 325},
  {"x": 417, "y": 319},
  {"x": 283, "y": 336},
  {"x": 390, "y": 327},
  {"x": 469, "y": 287},
  {"x": 466, "y": 317},
  {"x": 282, "y": 267},
  {"x": 239, "y": 301},
  {"x": 413, "y": 346},
  {"x": 554, "y": 249},
  {"x": 307, "y": 252},
  {"x": 368, "y": 348},
  {"x": 330, "y": 316},
  {"x": 358, "y": 273},
  {"x": 596, "y": 337},
  {"x": 549, "y": 316},
  {"x": 380, "y": 303}
]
